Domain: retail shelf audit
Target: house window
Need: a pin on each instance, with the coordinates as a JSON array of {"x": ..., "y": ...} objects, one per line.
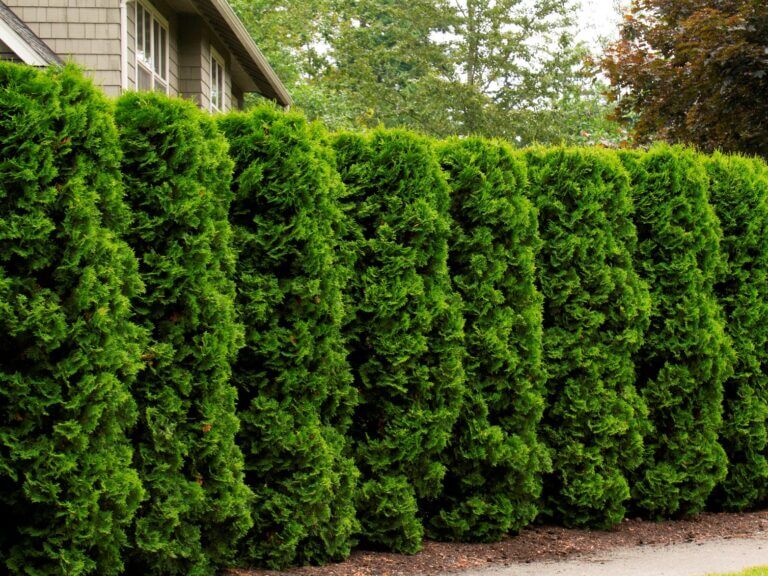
[
  {"x": 151, "y": 50},
  {"x": 217, "y": 82}
]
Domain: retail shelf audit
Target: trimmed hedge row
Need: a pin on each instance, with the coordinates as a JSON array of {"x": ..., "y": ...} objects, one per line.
[{"x": 360, "y": 338}]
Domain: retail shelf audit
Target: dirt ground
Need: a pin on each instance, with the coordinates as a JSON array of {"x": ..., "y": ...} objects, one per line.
[{"x": 540, "y": 544}]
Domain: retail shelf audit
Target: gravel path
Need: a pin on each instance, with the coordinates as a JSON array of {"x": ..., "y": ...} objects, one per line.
[{"x": 687, "y": 559}]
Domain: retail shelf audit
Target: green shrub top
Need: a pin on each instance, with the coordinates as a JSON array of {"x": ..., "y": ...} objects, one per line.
[
  {"x": 177, "y": 176},
  {"x": 406, "y": 335},
  {"x": 595, "y": 313},
  {"x": 686, "y": 355},
  {"x": 296, "y": 397},
  {"x": 69, "y": 349},
  {"x": 495, "y": 461}
]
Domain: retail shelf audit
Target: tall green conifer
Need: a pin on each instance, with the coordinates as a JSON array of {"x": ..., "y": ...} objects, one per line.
[
  {"x": 293, "y": 376},
  {"x": 406, "y": 335},
  {"x": 739, "y": 194},
  {"x": 495, "y": 460},
  {"x": 595, "y": 312},
  {"x": 686, "y": 355},
  {"x": 68, "y": 349},
  {"x": 177, "y": 176}
]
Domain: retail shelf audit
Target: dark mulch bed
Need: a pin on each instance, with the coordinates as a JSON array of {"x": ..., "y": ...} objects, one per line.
[{"x": 535, "y": 544}]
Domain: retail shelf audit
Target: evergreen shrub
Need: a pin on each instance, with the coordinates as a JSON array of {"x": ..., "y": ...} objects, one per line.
[
  {"x": 295, "y": 384},
  {"x": 739, "y": 194},
  {"x": 495, "y": 459},
  {"x": 68, "y": 492},
  {"x": 686, "y": 355},
  {"x": 406, "y": 335},
  {"x": 595, "y": 313},
  {"x": 177, "y": 177}
]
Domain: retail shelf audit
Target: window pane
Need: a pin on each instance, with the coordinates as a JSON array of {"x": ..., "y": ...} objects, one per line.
[
  {"x": 144, "y": 78},
  {"x": 213, "y": 82},
  {"x": 220, "y": 80},
  {"x": 217, "y": 81},
  {"x": 139, "y": 31},
  {"x": 147, "y": 39},
  {"x": 156, "y": 51},
  {"x": 161, "y": 86},
  {"x": 163, "y": 53}
]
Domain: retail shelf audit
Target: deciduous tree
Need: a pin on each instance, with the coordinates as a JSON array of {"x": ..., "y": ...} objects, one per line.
[{"x": 694, "y": 71}]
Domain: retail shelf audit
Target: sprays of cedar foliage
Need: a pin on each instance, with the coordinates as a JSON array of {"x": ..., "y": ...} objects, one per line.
[
  {"x": 686, "y": 355},
  {"x": 739, "y": 194},
  {"x": 293, "y": 376},
  {"x": 495, "y": 459},
  {"x": 68, "y": 348},
  {"x": 406, "y": 334},
  {"x": 177, "y": 178},
  {"x": 595, "y": 312}
]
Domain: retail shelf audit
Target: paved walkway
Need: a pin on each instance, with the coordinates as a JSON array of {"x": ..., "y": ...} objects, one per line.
[{"x": 675, "y": 560}]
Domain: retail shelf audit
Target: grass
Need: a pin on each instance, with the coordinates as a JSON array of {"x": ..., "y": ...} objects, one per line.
[{"x": 758, "y": 571}]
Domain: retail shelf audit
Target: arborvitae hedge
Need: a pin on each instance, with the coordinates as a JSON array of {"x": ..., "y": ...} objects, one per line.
[
  {"x": 462, "y": 457},
  {"x": 495, "y": 460},
  {"x": 177, "y": 177},
  {"x": 293, "y": 376},
  {"x": 686, "y": 355},
  {"x": 595, "y": 313},
  {"x": 739, "y": 194},
  {"x": 67, "y": 346},
  {"x": 406, "y": 335}
]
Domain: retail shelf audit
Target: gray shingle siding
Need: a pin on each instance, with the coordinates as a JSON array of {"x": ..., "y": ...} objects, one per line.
[{"x": 84, "y": 31}]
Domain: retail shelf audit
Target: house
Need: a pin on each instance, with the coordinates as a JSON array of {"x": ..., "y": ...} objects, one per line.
[{"x": 196, "y": 49}]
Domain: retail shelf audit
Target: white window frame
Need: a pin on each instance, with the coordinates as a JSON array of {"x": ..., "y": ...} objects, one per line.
[
  {"x": 149, "y": 64},
  {"x": 216, "y": 59}
]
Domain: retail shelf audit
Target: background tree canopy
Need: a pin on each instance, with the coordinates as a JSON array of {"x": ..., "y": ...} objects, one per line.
[{"x": 500, "y": 68}]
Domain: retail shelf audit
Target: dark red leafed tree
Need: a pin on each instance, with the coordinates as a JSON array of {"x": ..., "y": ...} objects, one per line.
[{"x": 694, "y": 71}]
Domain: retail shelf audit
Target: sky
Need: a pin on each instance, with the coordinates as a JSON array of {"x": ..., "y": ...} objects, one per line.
[{"x": 597, "y": 19}]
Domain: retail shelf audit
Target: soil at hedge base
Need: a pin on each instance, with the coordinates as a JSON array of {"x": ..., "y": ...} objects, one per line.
[{"x": 537, "y": 543}]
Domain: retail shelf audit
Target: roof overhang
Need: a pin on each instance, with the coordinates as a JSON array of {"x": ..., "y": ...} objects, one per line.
[
  {"x": 251, "y": 71},
  {"x": 23, "y": 42}
]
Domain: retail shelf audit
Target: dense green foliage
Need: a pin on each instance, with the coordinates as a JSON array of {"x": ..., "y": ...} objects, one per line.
[
  {"x": 296, "y": 397},
  {"x": 68, "y": 348},
  {"x": 595, "y": 312},
  {"x": 177, "y": 180},
  {"x": 495, "y": 460},
  {"x": 686, "y": 355},
  {"x": 405, "y": 339},
  {"x": 739, "y": 194}
]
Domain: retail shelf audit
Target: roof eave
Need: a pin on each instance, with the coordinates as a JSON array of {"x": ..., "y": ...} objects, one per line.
[
  {"x": 232, "y": 20},
  {"x": 23, "y": 41}
]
